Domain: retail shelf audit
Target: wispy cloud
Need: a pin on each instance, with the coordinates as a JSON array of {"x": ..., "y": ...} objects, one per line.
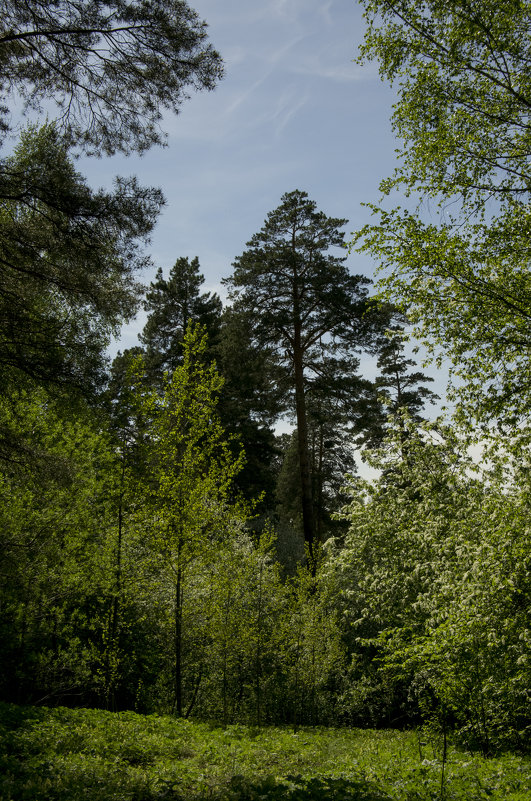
[
  {"x": 287, "y": 107},
  {"x": 325, "y": 12},
  {"x": 321, "y": 65}
]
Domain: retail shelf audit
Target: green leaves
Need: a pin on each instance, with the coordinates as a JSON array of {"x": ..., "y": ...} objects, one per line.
[
  {"x": 464, "y": 92},
  {"x": 193, "y": 467},
  {"x": 463, "y": 117},
  {"x": 434, "y": 574},
  {"x": 63, "y": 754}
]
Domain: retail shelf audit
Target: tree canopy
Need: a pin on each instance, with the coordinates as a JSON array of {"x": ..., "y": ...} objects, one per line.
[
  {"x": 68, "y": 256},
  {"x": 171, "y": 304},
  {"x": 308, "y": 310},
  {"x": 463, "y": 114},
  {"x": 110, "y": 68}
]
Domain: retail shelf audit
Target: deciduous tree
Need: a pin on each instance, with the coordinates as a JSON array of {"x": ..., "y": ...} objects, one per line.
[
  {"x": 434, "y": 574},
  {"x": 191, "y": 483},
  {"x": 463, "y": 113}
]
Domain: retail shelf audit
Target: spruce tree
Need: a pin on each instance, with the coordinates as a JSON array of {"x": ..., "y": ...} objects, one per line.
[
  {"x": 399, "y": 388},
  {"x": 171, "y": 304}
]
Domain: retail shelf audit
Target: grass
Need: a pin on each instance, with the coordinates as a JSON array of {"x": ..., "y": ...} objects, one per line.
[{"x": 70, "y": 755}]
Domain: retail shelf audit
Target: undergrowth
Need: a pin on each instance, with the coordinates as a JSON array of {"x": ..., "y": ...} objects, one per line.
[{"x": 70, "y": 755}]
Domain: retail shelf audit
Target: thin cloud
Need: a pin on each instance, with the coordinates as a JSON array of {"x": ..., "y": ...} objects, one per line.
[
  {"x": 344, "y": 72},
  {"x": 288, "y": 106},
  {"x": 325, "y": 13}
]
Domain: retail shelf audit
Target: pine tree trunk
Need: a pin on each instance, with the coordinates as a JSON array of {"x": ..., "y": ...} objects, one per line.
[
  {"x": 319, "y": 488},
  {"x": 308, "y": 524}
]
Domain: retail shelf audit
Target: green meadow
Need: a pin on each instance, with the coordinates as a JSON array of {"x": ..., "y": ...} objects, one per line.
[{"x": 68, "y": 755}]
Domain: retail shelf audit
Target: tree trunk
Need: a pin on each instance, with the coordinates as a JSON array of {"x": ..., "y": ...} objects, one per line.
[
  {"x": 319, "y": 485},
  {"x": 111, "y": 658},
  {"x": 308, "y": 523},
  {"x": 177, "y": 676},
  {"x": 258, "y": 660}
]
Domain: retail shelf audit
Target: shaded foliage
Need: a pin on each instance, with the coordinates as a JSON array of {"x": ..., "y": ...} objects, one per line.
[{"x": 109, "y": 68}]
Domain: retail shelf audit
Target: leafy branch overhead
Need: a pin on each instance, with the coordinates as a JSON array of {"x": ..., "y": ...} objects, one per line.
[
  {"x": 463, "y": 73},
  {"x": 69, "y": 255},
  {"x": 111, "y": 68}
]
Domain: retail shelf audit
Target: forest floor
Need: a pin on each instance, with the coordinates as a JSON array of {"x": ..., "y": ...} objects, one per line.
[{"x": 70, "y": 755}]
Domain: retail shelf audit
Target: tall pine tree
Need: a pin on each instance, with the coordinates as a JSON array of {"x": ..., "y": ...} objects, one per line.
[{"x": 307, "y": 309}]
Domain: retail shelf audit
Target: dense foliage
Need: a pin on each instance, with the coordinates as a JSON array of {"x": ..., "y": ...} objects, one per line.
[
  {"x": 153, "y": 525},
  {"x": 463, "y": 76},
  {"x": 314, "y": 318},
  {"x": 138, "y": 576},
  {"x": 435, "y": 577},
  {"x": 68, "y": 259}
]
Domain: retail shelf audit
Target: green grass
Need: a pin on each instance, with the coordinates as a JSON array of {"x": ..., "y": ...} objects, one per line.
[{"x": 70, "y": 755}]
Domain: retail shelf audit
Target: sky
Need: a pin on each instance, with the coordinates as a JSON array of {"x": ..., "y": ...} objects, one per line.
[{"x": 294, "y": 111}]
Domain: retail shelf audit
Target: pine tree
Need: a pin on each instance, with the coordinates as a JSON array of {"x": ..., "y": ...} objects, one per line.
[
  {"x": 306, "y": 307},
  {"x": 398, "y": 388},
  {"x": 251, "y": 400}
]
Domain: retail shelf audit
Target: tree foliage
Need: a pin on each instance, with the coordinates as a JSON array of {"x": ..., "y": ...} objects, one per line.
[
  {"x": 191, "y": 477},
  {"x": 435, "y": 578},
  {"x": 308, "y": 310},
  {"x": 68, "y": 256},
  {"x": 172, "y": 304},
  {"x": 110, "y": 68},
  {"x": 464, "y": 99}
]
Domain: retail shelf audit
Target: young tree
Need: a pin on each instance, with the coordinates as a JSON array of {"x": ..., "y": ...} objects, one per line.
[
  {"x": 463, "y": 114},
  {"x": 110, "y": 68},
  {"x": 307, "y": 308},
  {"x": 192, "y": 477}
]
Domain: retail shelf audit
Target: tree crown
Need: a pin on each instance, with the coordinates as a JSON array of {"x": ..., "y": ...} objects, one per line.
[{"x": 109, "y": 67}]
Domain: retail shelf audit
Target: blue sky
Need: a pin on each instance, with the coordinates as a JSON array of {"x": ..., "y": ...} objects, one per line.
[{"x": 293, "y": 112}]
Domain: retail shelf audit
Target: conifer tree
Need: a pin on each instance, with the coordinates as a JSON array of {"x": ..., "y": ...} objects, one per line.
[
  {"x": 171, "y": 304},
  {"x": 399, "y": 388},
  {"x": 307, "y": 309},
  {"x": 251, "y": 400}
]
